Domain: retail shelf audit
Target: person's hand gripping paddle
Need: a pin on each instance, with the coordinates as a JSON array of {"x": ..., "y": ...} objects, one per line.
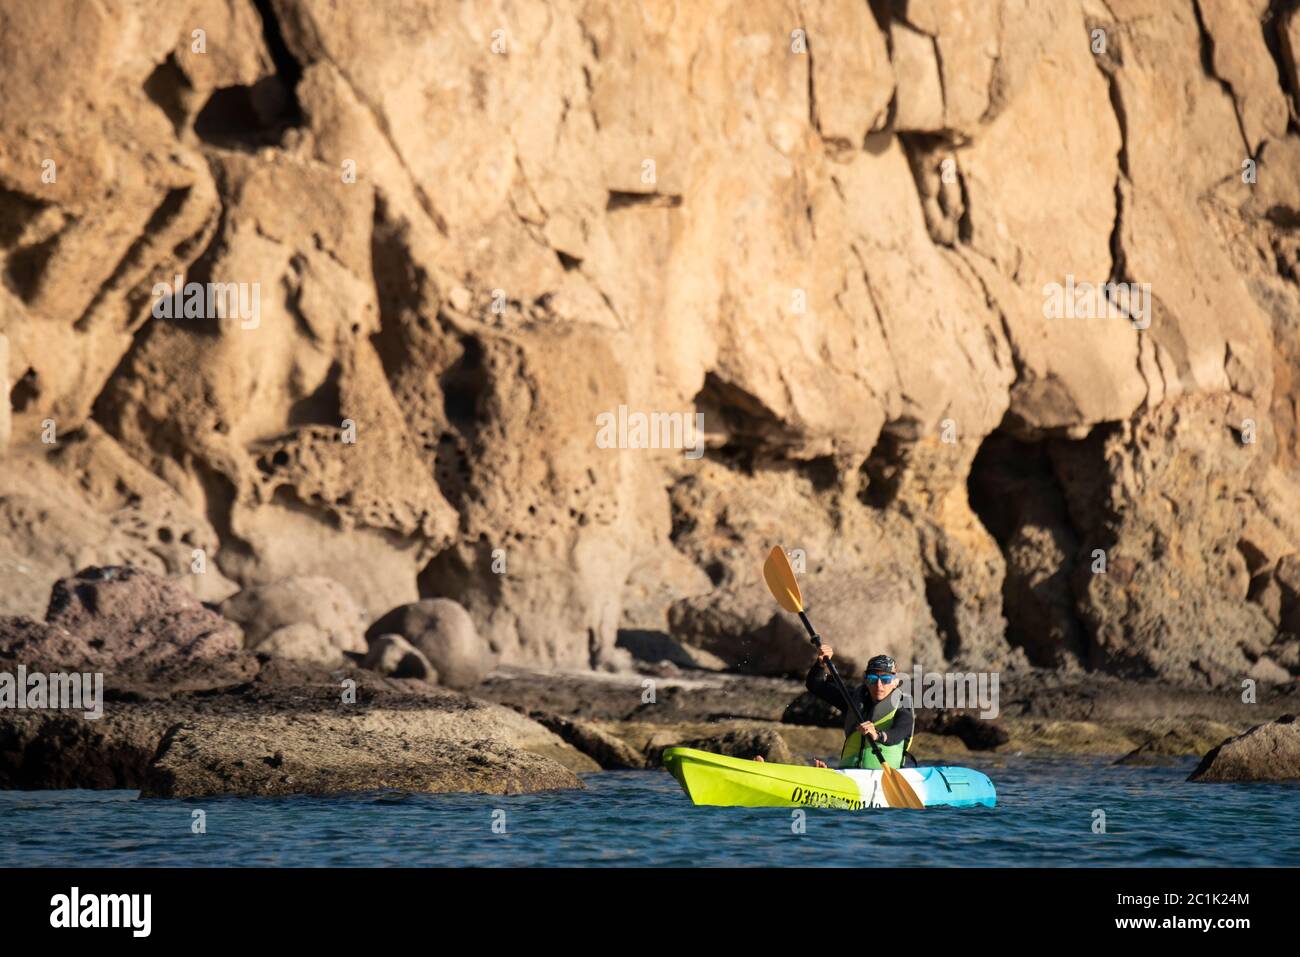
[{"x": 785, "y": 589}]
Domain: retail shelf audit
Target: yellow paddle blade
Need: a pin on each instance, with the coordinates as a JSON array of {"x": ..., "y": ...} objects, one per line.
[
  {"x": 898, "y": 790},
  {"x": 780, "y": 580}
]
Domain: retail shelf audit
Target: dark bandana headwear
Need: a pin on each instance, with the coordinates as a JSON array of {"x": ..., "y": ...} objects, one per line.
[{"x": 881, "y": 664}]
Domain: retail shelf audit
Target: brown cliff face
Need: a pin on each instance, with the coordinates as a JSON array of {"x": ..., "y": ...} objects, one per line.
[{"x": 465, "y": 232}]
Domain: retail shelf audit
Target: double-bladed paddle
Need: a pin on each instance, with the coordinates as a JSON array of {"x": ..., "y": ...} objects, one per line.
[{"x": 785, "y": 589}]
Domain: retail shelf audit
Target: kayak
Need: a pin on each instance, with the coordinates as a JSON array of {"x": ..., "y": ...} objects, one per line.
[{"x": 722, "y": 781}]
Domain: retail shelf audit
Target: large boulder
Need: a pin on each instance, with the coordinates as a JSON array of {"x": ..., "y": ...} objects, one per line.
[
  {"x": 651, "y": 648},
  {"x": 747, "y": 629},
  {"x": 444, "y": 633},
  {"x": 396, "y": 657},
  {"x": 304, "y": 643},
  {"x": 444, "y": 743},
  {"x": 392, "y": 733},
  {"x": 37, "y": 644},
  {"x": 314, "y": 600},
  {"x": 1267, "y": 752},
  {"x": 129, "y": 623},
  {"x": 57, "y": 750}
]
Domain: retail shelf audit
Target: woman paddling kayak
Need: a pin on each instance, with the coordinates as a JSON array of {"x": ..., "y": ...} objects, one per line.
[{"x": 890, "y": 719}]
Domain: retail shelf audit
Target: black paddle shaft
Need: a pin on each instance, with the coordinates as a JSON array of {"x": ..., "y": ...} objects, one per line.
[{"x": 839, "y": 682}]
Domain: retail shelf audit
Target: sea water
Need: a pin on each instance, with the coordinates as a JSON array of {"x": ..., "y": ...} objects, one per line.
[{"x": 1051, "y": 811}]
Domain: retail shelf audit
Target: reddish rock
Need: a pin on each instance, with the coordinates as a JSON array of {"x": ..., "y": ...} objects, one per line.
[{"x": 134, "y": 627}]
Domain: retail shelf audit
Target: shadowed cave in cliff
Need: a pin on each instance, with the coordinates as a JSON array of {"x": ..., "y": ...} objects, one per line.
[
  {"x": 463, "y": 385},
  {"x": 1016, "y": 492},
  {"x": 754, "y": 436},
  {"x": 323, "y": 406},
  {"x": 241, "y": 116},
  {"x": 168, "y": 88},
  {"x": 247, "y": 116},
  {"x": 398, "y": 286},
  {"x": 882, "y": 472},
  {"x": 26, "y": 267},
  {"x": 457, "y": 573},
  {"x": 24, "y": 264},
  {"x": 749, "y": 426}
]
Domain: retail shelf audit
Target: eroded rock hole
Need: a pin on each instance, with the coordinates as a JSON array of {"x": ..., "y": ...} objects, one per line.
[
  {"x": 821, "y": 472},
  {"x": 621, "y": 199},
  {"x": 256, "y": 115},
  {"x": 26, "y": 268},
  {"x": 170, "y": 89},
  {"x": 321, "y": 407},
  {"x": 883, "y": 472},
  {"x": 398, "y": 288},
  {"x": 451, "y": 469},
  {"x": 463, "y": 385},
  {"x": 25, "y": 391},
  {"x": 245, "y": 116},
  {"x": 16, "y": 213},
  {"x": 1015, "y": 491},
  {"x": 752, "y": 429},
  {"x": 459, "y": 573}
]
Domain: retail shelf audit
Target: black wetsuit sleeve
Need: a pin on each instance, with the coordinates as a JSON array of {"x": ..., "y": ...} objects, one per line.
[
  {"x": 902, "y": 728},
  {"x": 821, "y": 685}
]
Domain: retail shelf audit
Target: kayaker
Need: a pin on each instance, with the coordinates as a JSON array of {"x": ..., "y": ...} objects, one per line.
[{"x": 890, "y": 718}]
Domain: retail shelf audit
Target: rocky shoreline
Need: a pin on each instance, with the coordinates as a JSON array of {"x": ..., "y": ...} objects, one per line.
[
  {"x": 190, "y": 710},
  {"x": 1041, "y": 713},
  {"x": 288, "y": 732},
  {"x": 989, "y": 311},
  {"x": 277, "y": 692}
]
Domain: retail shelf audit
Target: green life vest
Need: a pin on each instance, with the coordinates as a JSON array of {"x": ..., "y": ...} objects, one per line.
[{"x": 852, "y": 755}]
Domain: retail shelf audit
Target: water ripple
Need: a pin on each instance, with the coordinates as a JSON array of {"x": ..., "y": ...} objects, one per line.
[{"x": 1049, "y": 814}]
